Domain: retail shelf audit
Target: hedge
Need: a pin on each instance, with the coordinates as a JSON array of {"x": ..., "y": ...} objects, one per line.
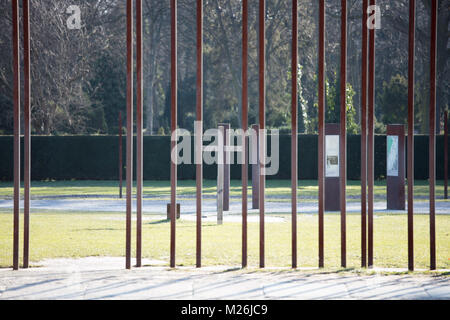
[{"x": 96, "y": 158}]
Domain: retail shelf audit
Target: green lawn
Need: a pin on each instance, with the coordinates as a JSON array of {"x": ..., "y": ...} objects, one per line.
[
  {"x": 307, "y": 188},
  {"x": 71, "y": 235}
]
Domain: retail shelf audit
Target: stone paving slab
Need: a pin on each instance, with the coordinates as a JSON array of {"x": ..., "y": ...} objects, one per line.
[{"x": 105, "y": 279}]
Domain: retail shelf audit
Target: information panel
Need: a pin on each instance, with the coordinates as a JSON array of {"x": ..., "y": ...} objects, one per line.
[
  {"x": 332, "y": 156},
  {"x": 395, "y": 167},
  {"x": 332, "y": 180},
  {"x": 392, "y": 156}
]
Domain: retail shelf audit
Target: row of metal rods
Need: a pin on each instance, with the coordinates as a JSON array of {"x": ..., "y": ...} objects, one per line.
[
  {"x": 367, "y": 136},
  {"x": 367, "y": 127}
]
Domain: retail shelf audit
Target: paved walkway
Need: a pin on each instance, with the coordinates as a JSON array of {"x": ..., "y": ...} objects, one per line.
[
  {"x": 188, "y": 206},
  {"x": 105, "y": 278}
]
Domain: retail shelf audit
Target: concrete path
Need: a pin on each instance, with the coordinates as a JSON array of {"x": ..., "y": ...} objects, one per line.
[
  {"x": 105, "y": 278},
  {"x": 188, "y": 206}
]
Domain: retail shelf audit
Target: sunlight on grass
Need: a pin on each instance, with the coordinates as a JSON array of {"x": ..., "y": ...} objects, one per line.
[
  {"x": 73, "y": 235},
  {"x": 306, "y": 188}
]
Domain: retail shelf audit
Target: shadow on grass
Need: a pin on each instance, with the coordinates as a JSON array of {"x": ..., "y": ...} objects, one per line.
[
  {"x": 97, "y": 229},
  {"x": 157, "y": 222}
]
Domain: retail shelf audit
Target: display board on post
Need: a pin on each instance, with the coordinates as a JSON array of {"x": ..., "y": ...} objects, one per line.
[
  {"x": 332, "y": 181},
  {"x": 254, "y": 160},
  {"x": 120, "y": 156},
  {"x": 226, "y": 165},
  {"x": 395, "y": 167},
  {"x": 220, "y": 177}
]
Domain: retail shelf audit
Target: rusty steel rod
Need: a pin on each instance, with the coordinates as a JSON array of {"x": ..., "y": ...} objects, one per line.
[
  {"x": 120, "y": 155},
  {"x": 27, "y": 132},
  {"x": 139, "y": 133},
  {"x": 262, "y": 125},
  {"x": 364, "y": 66},
  {"x": 245, "y": 128},
  {"x": 294, "y": 130},
  {"x": 199, "y": 137},
  {"x": 16, "y": 101},
  {"x": 411, "y": 57},
  {"x": 343, "y": 133},
  {"x": 432, "y": 144},
  {"x": 173, "y": 165},
  {"x": 129, "y": 131},
  {"x": 321, "y": 127},
  {"x": 370, "y": 143}
]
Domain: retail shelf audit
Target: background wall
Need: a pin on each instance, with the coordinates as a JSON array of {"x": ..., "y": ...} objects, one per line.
[{"x": 96, "y": 158}]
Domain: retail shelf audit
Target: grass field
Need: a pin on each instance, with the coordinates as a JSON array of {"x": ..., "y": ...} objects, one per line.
[
  {"x": 72, "y": 235},
  {"x": 307, "y": 188},
  {"x": 59, "y": 234}
]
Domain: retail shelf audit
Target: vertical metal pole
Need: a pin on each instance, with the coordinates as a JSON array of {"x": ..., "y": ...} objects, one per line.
[
  {"x": 173, "y": 165},
  {"x": 446, "y": 155},
  {"x": 432, "y": 144},
  {"x": 321, "y": 127},
  {"x": 371, "y": 143},
  {"x": 364, "y": 137},
  {"x": 245, "y": 128},
  {"x": 120, "y": 155},
  {"x": 343, "y": 133},
  {"x": 412, "y": 20},
  {"x": 139, "y": 133},
  {"x": 16, "y": 99},
  {"x": 129, "y": 130},
  {"x": 27, "y": 132},
  {"x": 294, "y": 130},
  {"x": 262, "y": 125},
  {"x": 199, "y": 137}
]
